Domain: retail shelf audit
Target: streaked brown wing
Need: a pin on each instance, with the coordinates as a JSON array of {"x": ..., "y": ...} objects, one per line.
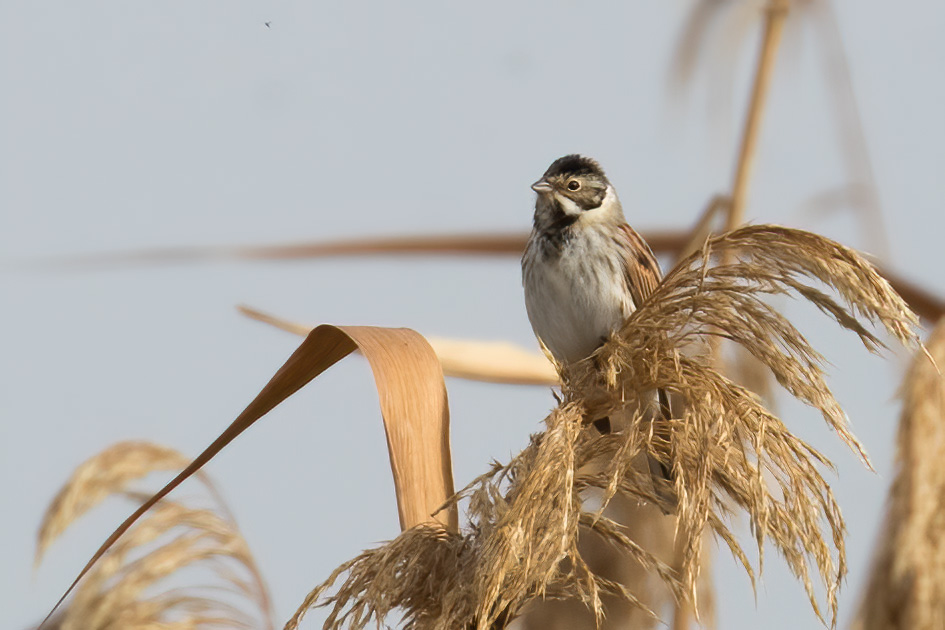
[
  {"x": 643, "y": 276},
  {"x": 642, "y": 270}
]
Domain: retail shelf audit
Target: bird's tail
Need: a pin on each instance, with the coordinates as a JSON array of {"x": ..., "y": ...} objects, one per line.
[
  {"x": 661, "y": 473},
  {"x": 664, "y": 483}
]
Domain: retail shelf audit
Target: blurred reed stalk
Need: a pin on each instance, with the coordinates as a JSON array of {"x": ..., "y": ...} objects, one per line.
[
  {"x": 906, "y": 586},
  {"x": 673, "y": 241},
  {"x": 776, "y": 13}
]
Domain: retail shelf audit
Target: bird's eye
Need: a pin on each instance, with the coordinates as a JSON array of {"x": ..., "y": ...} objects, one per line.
[{"x": 574, "y": 185}]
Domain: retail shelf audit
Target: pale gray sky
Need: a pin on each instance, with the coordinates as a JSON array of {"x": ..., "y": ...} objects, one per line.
[{"x": 127, "y": 125}]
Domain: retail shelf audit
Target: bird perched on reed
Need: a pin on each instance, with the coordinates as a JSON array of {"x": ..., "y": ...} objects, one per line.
[{"x": 585, "y": 270}]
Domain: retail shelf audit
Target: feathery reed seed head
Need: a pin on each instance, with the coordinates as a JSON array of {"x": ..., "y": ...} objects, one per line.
[{"x": 119, "y": 591}]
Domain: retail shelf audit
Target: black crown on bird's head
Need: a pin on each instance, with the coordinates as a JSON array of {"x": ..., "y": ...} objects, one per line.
[{"x": 574, "y": 164}]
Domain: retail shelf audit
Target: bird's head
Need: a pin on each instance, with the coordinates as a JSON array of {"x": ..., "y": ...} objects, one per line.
[{"x": 575, "y": 188}]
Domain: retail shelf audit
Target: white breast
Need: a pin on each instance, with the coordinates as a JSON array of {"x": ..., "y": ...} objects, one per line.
[{"x": 577, "y": 298}]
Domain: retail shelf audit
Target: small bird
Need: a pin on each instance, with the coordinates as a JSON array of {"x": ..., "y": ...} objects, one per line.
[
  {"x": 268, "y": 24},
  {"x": 585, "y": 270}
]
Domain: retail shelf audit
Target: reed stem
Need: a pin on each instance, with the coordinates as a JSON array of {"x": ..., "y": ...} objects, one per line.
[{"x": 775, "y": 14}]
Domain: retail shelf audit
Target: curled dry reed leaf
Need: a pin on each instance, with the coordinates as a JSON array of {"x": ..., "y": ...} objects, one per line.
[
  {"x": 906, "y": 589},
  {"x": 413, "y": 405},
  {"x": 525, "y": 517},
  {"x": 124, "y": 589}
]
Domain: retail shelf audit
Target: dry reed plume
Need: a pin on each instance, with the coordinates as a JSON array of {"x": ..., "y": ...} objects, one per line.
[
  {"x": 526, "y": 517},
  {"x": 124, "y": 589},
  {"x": 906, "y": 589},
  {"x": 652, "y": 530}
]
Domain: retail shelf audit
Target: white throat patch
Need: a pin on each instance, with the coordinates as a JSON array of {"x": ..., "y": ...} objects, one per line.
[{"x": 570, "y": 208}]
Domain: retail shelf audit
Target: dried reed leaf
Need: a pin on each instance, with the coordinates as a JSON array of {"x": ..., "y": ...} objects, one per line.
[
  {"x": 434, "y": 244},
  {"x": 408, "y": 245},
  {"x": 521, "y": 542},
  {"x": 120, "y": 590},
  {"x": 929, "y": 306},
  {"x": 492, "y": 362},
  {"x": 906, "y": 589},
  {"x": 413, "y": 404}
]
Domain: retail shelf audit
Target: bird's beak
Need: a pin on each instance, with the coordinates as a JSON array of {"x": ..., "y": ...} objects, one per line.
[{"x": 541, "y": 186}]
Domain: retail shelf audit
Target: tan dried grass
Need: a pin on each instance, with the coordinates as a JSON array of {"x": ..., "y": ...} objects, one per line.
[
  {"x": 124, "y": 590},
  {"x": 906, "y": 589},
  {"x": 101, "y": 476},
  {"x": 521, "y": 542}
]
